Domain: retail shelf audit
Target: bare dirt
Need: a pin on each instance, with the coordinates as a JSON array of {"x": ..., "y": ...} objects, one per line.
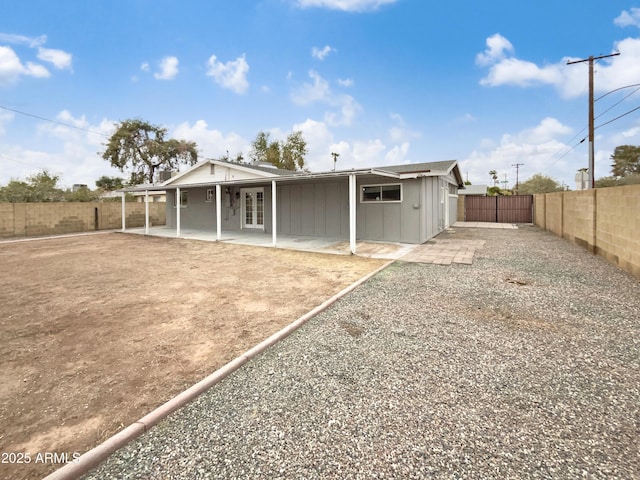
[{"x": 96, "y": 331}]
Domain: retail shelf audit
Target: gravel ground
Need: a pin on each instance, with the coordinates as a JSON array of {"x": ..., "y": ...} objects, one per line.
[{"x": 525, "y": 364}]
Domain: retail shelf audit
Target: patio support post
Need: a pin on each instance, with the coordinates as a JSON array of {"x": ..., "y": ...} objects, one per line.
[
  {"x": 273, "y": 212},
  {"x": 352, "y": 213},
  {"x": 124, "y": 217},
  {"x": 146, "y": 212},
  {"x": 218, "y": 213},
  {"x": 178, "y": 205}
]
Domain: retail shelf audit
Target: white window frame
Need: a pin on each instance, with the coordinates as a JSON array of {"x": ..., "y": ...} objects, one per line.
[
  {"x": 184, "y": 193},
  {"x": 211, "y": 195},
  {"x": 362, "y": 187}
]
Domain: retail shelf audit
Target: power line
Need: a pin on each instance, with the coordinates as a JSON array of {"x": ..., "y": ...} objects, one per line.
[
  {"x": 54, "y": 121},
  {"x": 591, "y": 119},
  {"x": 617, "y": 118}
]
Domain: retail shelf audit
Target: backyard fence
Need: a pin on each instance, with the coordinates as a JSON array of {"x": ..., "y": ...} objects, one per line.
[
  {"x": 52, "y": 218},
  {"x": 605, "y": 221},
  {"x": 500, "y": 209}
]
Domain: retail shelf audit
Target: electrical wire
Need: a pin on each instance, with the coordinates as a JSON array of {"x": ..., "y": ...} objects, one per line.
[{"x": 54, "y": 121}]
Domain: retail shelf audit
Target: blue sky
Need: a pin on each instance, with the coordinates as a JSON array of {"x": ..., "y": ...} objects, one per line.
[{"x": 377, "y": 81}]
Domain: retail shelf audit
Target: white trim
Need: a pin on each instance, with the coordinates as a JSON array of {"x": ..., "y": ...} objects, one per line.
[
  {"x": 146, "y": 212},
  {"x": 362, "y": 187},
  {"x": 243, "y": 206},
  {"x": 178, "y": 204},
  {"x": 218, "y": 212},
  {"x": 352, "y": 212},
  {"x": 124, "y": 217},
  {"x": 274, "y": 212}
]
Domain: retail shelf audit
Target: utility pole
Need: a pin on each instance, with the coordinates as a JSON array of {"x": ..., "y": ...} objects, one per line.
[
  {"x": 517, "y": 165},
  {"x": 335, "y": 159},
  {"x": 505, "y": 182},
  {"x": 592, "y": 177}
]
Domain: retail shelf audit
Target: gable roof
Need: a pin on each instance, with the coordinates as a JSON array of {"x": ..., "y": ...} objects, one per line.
[
  {"x": 257, "y": 170},
  {"x": 437, "y": 168},
  {"x": 405, "y": 171}
]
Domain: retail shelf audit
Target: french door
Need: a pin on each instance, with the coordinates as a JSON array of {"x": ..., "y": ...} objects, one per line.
[{"x": 252, "y": 207}]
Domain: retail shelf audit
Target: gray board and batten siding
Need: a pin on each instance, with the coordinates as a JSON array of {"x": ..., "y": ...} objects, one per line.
[{"x": 320, "y": 207}]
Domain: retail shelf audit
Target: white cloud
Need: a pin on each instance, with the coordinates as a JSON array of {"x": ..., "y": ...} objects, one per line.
[
  {"x": 23, "y": 39},
  {"x": 59, "y": 58},
  {"x": 497, "y": 48},
  {"x": 629, "y": 18},
  {"x": 231, "y": 75},
  {"x": 63, "y": 150},
  {"x": 345, "y": 82},
  {"x": 168, "y": 68},
  {"x": 11, "y": 68},
  {"x": 569, "y": 80},
  {"x": 320, "y": 92},
  {"x": 400, "y": 132},
  {"x": 145, "y": 66},
  {"x": 321, "y": 53},
  {"x": 345, "y": 5},
  {"x": 211, "y": 143},
  {"x": 540, "y": 149}
]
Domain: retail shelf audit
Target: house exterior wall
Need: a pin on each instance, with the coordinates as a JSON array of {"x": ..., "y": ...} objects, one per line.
[
  {"x": 431, "y": 203},
  {"x": 321, "y": 208},
  {"x": 391, "y": 222},
  {"x": 317, "y": 209}
]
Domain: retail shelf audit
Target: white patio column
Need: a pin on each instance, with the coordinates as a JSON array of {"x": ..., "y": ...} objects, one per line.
[
  {"x": 146, "y": 212},
  {"x": 352, "y": 212},
  {"x": 124, "y": 217},
  {"x": 178, "y": 205},
  {"x": 218, "y": 213},
  {"x": 274, "y": 211}
]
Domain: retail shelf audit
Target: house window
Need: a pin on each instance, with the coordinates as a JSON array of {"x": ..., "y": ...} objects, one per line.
[
  {"x": 211, "y": 194},
  {"x": 184, "y": 198},
  {"x": 391, "y": 192},
  {"x": 213, "y": 169}
]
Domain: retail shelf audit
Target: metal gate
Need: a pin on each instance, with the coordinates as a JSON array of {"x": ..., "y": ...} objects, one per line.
[{"x": 499, "y": 209}]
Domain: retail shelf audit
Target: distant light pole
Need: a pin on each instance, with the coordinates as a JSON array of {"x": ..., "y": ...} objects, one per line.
[{"x": 335, "y": 159}]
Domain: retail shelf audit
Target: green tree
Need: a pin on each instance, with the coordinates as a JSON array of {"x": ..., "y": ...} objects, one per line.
[
  {"x": 40, "y": 187},
  {"x": 109, "y": 184},
  {"x": 141, "y": 148},
  {"x": 631, "y": 179},
  {"x": 539, "y": 184},
  {"x": 626, "y": 161},
  {"x": 287, "y": 155},
  {"x": 16, "y": 191}
]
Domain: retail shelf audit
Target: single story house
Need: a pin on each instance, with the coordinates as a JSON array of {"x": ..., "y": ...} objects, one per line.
[{"x": 402, "y": 203}]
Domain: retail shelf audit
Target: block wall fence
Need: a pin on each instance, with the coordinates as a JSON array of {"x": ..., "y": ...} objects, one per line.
[
  {"x": 35, "y": 219},
  {"x": 605, "y": 221}
]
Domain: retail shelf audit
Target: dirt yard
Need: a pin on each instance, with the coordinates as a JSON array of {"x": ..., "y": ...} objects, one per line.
[{"x": 96, "y": 331}]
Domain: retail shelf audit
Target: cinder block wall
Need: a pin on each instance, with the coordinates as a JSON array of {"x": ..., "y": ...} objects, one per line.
[
  {"x": 605, "y": 221},
  {"x": 36, "y": 219},
  {"x": 540, "y": 210},
  {"x": 579, "y": 218},
  {"x": 618, "y": 222},
  {"x": 554, "y": 213},
  {"x": 461, "y": 207}
]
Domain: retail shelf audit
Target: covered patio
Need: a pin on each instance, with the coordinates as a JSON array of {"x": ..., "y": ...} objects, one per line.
[{"x": 333, "y": 245}]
